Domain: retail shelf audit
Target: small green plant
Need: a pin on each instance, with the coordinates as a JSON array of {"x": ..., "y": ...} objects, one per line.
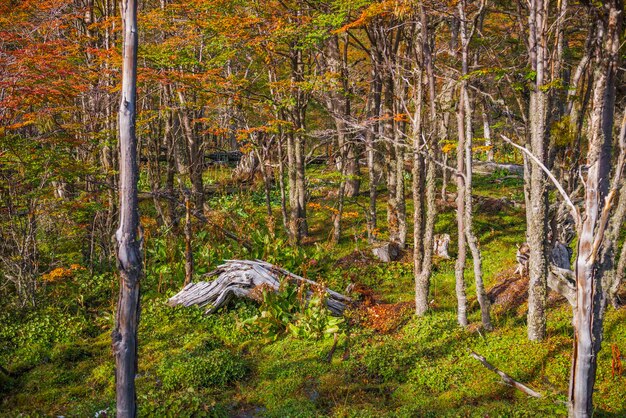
[
  {"x": 314, "y": 320},
  {"x": 276, "y": 312},
  {"x": 296, "y": 311},
  {"x": 389, "y": 361}
]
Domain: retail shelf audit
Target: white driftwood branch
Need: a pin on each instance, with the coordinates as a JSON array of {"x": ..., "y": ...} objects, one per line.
[
  {"x": 559, "y": 187},
  {"x": 239, "y": 278},
  {"x": 505, "y": 377}
]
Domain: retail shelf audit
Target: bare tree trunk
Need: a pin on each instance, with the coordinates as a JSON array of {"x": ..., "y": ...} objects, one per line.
[
  {"x": 353, "y": 170},
  {"x": 615, "y": 274},
  {"x": 338, "y": 103},
  {"x": 340, "y": 201},
  {"x": 400, "y": 198},
  {"x": 619, "y": 278},
  {"x": 592, "y": 259},
  {"x": 537, "y": 211},
  {"x": 459, "y": 267},
  {"x": 424, "y": 201},
  {"x": 172, "y": 219},
  {"x": 422, "y": 282},
  {"x": 390, "y": 158},
  {"x": 464, "y": 150},
  {"x": 267, "y": 178},
  {"x": 487, "y": 133},
  {"x": 293, "y": 190},
  {"x": 188, "y": 237},
  {"x": 303, "y": 228},
  {"x": 124, "y": 335},
  {"x": 370, "y": 134},
  {"x": 472, "y": 241},
  {"x": 195, "y": 155},
  {"x": 281, "y": 183}
]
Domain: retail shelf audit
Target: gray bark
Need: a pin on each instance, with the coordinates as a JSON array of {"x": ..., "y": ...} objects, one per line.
[
  {"x": 246, "y": 279},
  {"x": 615, "y": 274},
  {"x": 188, "y": 237},
  {"x": 459, "y": 267},
  {"x": 487, "y": 133},
  {"x": 195, "y": 153},
  {"x": 124, "y": 335},
  {"x": 593, "y": 259},
  {"x": 537, "y": 209},
  {"x": 387, "y": 252},
  {"x": 422, "y": 282},
  {"x": 425, "y": 211},
  {"x": 465, "y": 131},
  {"x": 441, "y": 244}
]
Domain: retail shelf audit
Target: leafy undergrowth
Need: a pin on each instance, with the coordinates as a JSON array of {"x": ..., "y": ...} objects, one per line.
[{"x": 386, "y": 361}]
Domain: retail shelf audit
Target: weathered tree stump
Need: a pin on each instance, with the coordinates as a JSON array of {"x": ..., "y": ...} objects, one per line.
[
  {"x": 560, "y": 278},
  {"x": 240, "y": 278},
  {"x": 387, "y": 252},
  {"x": 442, "y": 242}
]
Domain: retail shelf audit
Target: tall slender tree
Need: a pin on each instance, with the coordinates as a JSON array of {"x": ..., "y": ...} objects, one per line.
[
  {"x": 537, "y": 199},
  {"x": 129, "y": 243}
]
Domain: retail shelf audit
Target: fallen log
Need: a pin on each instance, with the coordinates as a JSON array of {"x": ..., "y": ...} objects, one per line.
[
  {"x": 505, "y": 377},
  {"x": 487, "y": 168},
  {"x": 442, "y": 242},
  {"x": 240, "y": 278}
]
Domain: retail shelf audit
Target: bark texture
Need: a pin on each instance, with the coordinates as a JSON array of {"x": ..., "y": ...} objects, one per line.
[
  {"x": 247, "y": 278},
  {"x": 129, "y": 245},
  {"x": 592, "y": 260},
  {"x": 537, "y": 198}
]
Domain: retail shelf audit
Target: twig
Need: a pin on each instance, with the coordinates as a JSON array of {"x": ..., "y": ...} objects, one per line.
[{"x": 505, "y": 377}]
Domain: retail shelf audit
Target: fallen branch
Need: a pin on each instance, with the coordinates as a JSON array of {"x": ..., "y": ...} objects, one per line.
[
  {"x": 505, "y": 377},
  {"x": 559, "y": 187},
  {"x": 240, "y": 278}
]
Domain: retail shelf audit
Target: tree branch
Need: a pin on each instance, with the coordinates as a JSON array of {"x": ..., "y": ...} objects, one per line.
[
  {"x": 505, "y": 377},
  {"x": 559, "y": 187}
]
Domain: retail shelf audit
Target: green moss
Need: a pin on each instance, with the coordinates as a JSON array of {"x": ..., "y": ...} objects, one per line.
[{"x": 191, "y": 364}]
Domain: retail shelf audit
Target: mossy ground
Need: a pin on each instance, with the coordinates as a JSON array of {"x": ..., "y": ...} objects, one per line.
[{"x": 196, "y": 365}]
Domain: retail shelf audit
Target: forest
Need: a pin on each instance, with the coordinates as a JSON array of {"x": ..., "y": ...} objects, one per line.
[{"x": 311, "y": 208}]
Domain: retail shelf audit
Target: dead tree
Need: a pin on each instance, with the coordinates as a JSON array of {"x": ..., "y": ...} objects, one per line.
[
  {"x": 594, "y": 256},
  {"x": 129, "y": 244},
  {"x": 247, "y": 279},
  {"x": 593, "y": 259}
]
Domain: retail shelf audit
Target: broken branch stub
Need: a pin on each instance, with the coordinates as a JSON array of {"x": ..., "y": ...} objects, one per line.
[{"x": 240, "y": 278}]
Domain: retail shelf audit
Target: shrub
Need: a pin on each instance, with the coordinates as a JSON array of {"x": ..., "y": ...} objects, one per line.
[
  {"x": 389, "y": 362},
  {"x": 64, "y": 353},
  {"x": 215, "y": 368},
  {"x": 290, "y": 311}
]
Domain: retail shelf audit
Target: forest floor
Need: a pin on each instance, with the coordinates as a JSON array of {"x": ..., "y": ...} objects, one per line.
[{"x": 59, "y": 353}]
